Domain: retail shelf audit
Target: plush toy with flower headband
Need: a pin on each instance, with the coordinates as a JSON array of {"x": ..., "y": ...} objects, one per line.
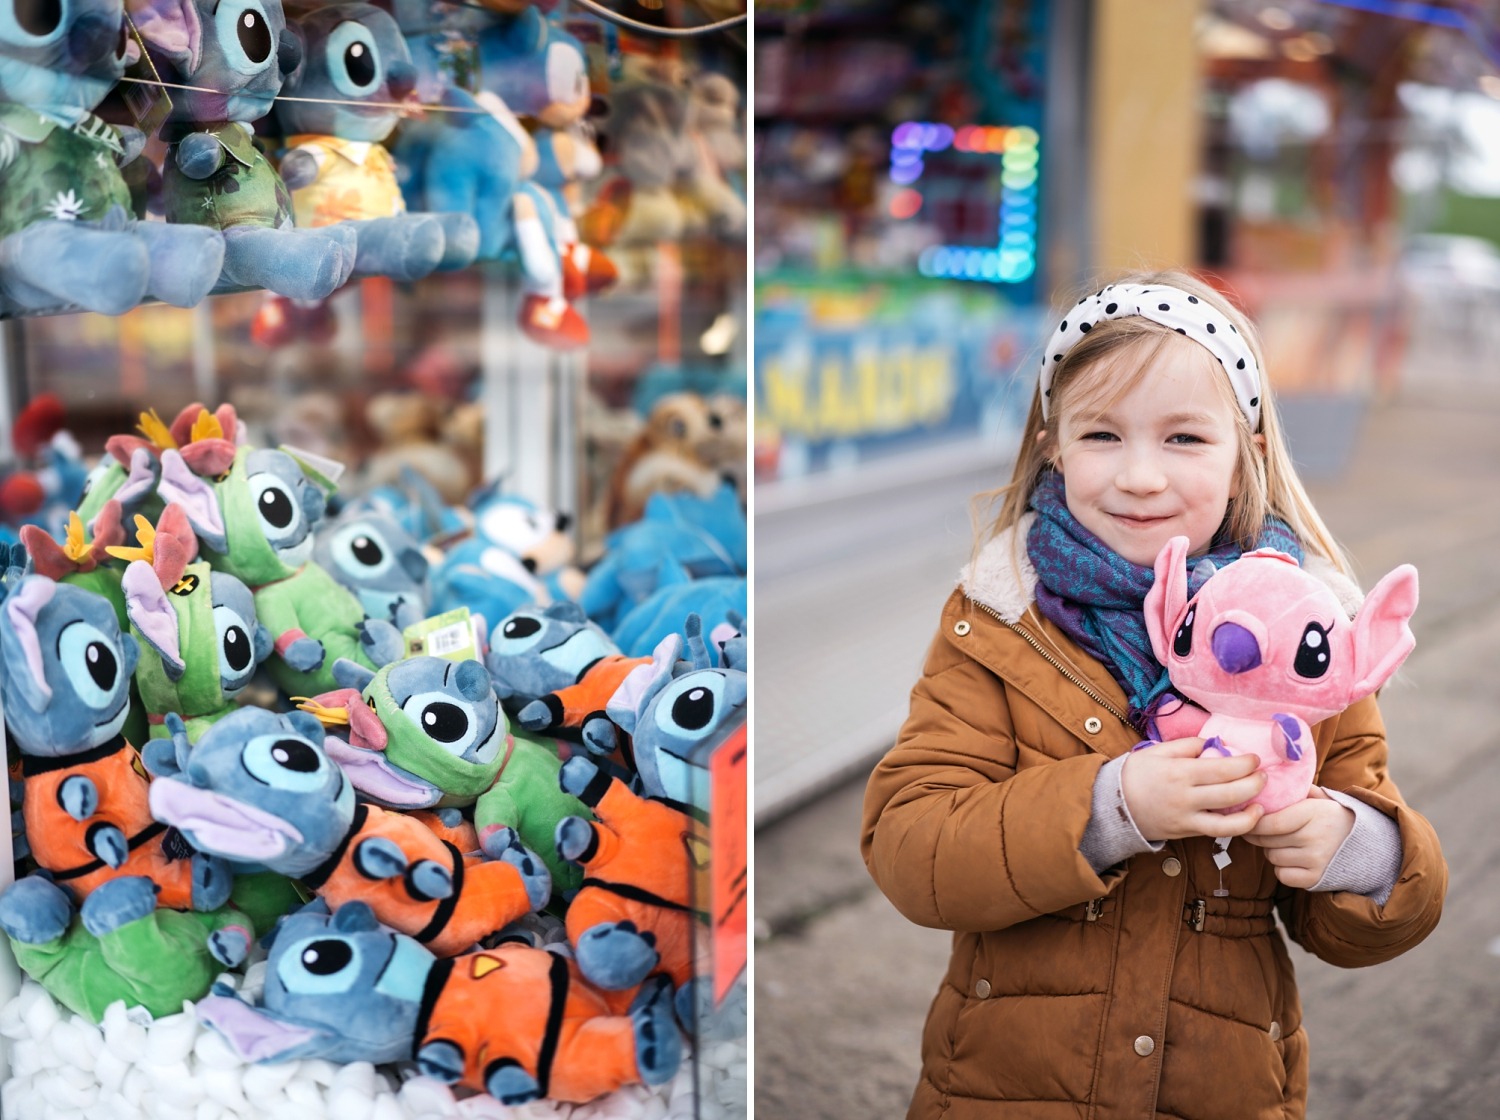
[
  {"x": 255, "y": 515},
  {"x": 198, "y": 626}
]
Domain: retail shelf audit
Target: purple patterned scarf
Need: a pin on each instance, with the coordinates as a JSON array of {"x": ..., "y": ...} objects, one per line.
[{"x": 1097, "y": 596}]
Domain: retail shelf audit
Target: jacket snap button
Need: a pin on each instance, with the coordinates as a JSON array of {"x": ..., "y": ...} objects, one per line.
[
  {"x": 1093, "y": 725},
  {"x": 982, "y": 989},
  {"x": 1275, "y": 1031},
  {"x": 1172, "y": 866},
  {"x": 961, "y": 627},
  {"x": 1144, "y": 1045}
]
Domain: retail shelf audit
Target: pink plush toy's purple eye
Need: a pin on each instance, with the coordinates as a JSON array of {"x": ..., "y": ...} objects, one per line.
[{"x": 1182, "y": 642}]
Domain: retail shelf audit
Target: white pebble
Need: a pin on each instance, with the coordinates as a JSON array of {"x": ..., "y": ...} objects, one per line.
[
  {"x": 422, "y": 1095},
  {"x": 482, "y": 1106},
  {"x": 64, "y": 1096},
  {"x": 307, "y": 1101},
  {"x": 320, "y": 1070},
  {"x": 356, "y": 1075},
  {"x": 110, "y": 1069},
  {"x": 27, "y": 1058},
  {"x": 111, "y": 1106},
  {"x": 170, "y": 1039},
  {"x": 70, "y": 1041},
  {"x": 22, "y": 1100},
  {"x": 136, "y": 1085},
  {"x": 254, "y": 983},
  {"x": 211, "y": 1049},
  {"x": 12, "y": 1016},
  {"x": 127, "y": 1039},
  {"x": 175, "y": 1085},
  {"x": 349, "y": 1103},
  {"x": 223, "y": 1086},
  {"x": 387, "y": 1107},
  {"x": 209, "y": 1110},
  {"x": 268, "y": 1079},
  {"x": 41, "y": 1015}
]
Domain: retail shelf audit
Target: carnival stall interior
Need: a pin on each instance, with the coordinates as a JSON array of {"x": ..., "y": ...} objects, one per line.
[{"x": 374, "y": 614}]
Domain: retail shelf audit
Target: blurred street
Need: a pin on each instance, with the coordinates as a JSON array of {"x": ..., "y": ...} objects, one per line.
[{"x": 848, "y": 592}]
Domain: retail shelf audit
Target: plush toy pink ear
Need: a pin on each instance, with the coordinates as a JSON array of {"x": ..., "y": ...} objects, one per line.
[
  {"x": 175, "y": 547},
  {"x": 179, "y": 484},
  {"x": 109, "y": 530},
  {"x": 172, "y": 27},
  {"x": 47, "y": 556},
  {"x": 22, "y": 610},
  {"x": 153, "y": 615},
  {"x": 1382, "y": 638},
  {"x": 1168, "y": 595}
]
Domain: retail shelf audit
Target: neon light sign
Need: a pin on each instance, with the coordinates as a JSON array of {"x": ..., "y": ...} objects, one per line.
[{"x": 1013, "y": 258}]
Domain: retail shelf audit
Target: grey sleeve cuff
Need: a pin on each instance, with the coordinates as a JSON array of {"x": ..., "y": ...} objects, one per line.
[
  {"x": 1111, "y": 836},
  {"x": 1369, "y": 860}
]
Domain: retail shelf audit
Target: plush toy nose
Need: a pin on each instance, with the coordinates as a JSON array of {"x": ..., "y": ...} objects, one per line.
[
  {"x": 288, "y": 52},
  {"x": 402, "y": 80},
  {"x": 1235, "y": 648},
  {"x": 91, "y": 38}
]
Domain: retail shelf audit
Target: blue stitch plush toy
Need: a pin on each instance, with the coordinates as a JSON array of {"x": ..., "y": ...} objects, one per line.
[
  {"x": 355, "y": 67},
  {"x": 67, "y": 234},
  {"x": 374, "y": 557},
  {"x": 237, "y": 53},
  {"x": 517, "y": 1022}
]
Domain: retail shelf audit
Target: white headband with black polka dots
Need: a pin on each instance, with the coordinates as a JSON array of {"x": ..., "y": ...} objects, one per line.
[{"x": 1171, "y": 307}]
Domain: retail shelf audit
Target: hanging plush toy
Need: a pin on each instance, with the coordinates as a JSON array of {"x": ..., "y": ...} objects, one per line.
[
  {"x": 234, "y": 54},
  {"x": 119, "y": 945},
  {"x": 540, "y": 71},
  {"x": 517, "y": 1022},
  {"x": 64, "y": 671},
  {"x": 1267, "y": 650},
  {"x": 355, "y": 68},
  {"x": 256, "y": 521},
  {"x": 259, "y": 787},
  {"x": 199, "y": 626},
  {"x": 67, "y": 234},
  {"x": 429, "y": 733}
]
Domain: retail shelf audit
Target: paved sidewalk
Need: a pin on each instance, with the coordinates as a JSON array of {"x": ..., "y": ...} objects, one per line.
[{"x": 843, "y": 982}]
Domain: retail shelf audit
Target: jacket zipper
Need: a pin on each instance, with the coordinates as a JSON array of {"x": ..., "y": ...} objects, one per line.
[
  {"x": 1088, "y": 690},
  {"x": 1094, "y": 908},
  {"x": 1197, "y": 912}
]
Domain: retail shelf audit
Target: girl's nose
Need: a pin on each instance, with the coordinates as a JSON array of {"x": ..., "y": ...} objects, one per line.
[{"x": 1141, "y": 475}]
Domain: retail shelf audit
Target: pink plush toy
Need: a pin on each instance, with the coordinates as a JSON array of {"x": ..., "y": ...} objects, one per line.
[{"x": 1267, "y": 650}]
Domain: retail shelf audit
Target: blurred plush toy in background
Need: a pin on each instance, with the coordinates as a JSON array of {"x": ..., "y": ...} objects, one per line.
[
  {"x": 198, "y": 625},
  {"x": 355, "y": 68},
  {"x": 119, "y": 945},
  {"x": 540, "y": 71},
  {"x": 425, "y": 434},
  {"x": 255, "y": 520},
  {"x": 516, "y": 1022},
  {"x": 65, "y": 672},
  {"x": 638, "y": 205},
  {"x": 1267, "y": 650},
  {"x": 665, "y": 456},
  {"x": 228, "y": 62},
  {"x": 715, "y": 178},
  {"x": 259, "y": 786},
  {"x": 378, "y": 560},
  {"x": 68, "y": 237}
]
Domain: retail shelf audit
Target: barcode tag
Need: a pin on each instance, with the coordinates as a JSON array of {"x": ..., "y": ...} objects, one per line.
[
  {"x": 149, "y": 104},
  {"x": 451, "y": 635}
]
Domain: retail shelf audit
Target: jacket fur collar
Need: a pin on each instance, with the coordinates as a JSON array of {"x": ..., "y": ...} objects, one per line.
[{"x": 1003, "y": 579}]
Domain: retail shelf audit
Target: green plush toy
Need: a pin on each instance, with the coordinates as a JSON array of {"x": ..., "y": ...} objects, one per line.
[
  {"x": 201, "y": 625},
  {"x": 429, "y": 733},
  {"x": 119, "y": 946},
  {"x": 255, "y": 521}
]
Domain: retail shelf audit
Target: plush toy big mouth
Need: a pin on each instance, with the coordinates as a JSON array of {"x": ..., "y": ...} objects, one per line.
[{"x": 220, "y": 824}]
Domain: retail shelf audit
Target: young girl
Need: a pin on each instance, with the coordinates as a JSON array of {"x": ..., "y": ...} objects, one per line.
[{"x": 1102, "y": 964}]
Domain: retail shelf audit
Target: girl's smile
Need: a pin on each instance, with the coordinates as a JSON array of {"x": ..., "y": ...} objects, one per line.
[{"x": 1156, "y": 461}]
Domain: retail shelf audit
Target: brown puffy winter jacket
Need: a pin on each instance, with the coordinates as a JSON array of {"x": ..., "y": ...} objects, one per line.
[{"x": 1134, "y": 994}]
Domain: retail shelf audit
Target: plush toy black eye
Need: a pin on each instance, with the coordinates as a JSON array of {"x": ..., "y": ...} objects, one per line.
[
  {"x": 254, "y": 35},
  {"x": 521, "y": 627},
  {"x": 102, "y": 665},
  {"x": 445, "y": 723},
  {"x": 693, "y": 709},
  {"x": 236, "y": 649},
  {"x": 1312, "y": 652},
  {"x": 1182, "y": 642},
  {"x": 324, "y": 958},
  {"x": 360, "y": 63},
  {"x": 366, "y": 551},
  {"x": 276, "y": 507},
  {"x": 293, "y": 754},
  {"x": 39, "y": 17}
]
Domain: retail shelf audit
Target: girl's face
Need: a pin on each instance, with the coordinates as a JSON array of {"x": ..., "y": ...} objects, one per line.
[{"x": 1154, "y": 462}]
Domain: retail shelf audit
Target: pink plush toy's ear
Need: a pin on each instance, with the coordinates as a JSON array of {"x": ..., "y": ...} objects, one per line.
[
  {"x": 1168, "y": 595},
  {"x": 172, "y": 27},
  {"x": 1382, "y": 638}
]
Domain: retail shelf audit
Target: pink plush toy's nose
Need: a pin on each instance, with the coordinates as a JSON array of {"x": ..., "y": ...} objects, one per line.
[{"x": 1235, "y": 648}]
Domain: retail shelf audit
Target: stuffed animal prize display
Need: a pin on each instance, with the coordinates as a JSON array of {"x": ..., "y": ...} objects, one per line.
[{"x": 477, "y": 845}]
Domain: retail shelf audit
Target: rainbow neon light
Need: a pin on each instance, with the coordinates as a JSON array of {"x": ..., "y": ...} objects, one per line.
[{"x": 1013, "y": 259}]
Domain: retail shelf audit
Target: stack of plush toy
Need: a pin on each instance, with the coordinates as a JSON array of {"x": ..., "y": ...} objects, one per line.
[
  {"x": 477, "y": 860},
  {"x": 325, "y": 199}
]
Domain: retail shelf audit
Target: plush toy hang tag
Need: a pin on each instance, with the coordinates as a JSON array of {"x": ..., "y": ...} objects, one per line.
[
  {"x": 146, "y": 98},
  {"x": 321, "y": 470}
]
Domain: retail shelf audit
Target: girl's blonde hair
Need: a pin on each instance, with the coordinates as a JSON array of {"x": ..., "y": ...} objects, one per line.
[{"x": 1266, "y": 484}]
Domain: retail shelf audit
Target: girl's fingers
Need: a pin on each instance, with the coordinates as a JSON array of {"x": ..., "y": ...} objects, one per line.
[
  {"x": 1225, "y": 794},
  {"x": 1217, "y": 770},
  {"x": 1228, "y": 824}
]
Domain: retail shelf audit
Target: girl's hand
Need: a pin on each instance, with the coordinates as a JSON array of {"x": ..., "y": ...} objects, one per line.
[
  {"x": 1300, "y": 839},
  {"x": 1172, "y": 793}
]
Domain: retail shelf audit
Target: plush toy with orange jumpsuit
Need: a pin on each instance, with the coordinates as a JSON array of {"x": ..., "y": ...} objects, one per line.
[
  {"x": 258, "y": 787},
  {"x": 517, "y": 1022}
]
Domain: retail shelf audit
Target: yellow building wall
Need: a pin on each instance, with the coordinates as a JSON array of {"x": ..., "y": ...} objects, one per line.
[{"x": 1145, "y": 133}]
